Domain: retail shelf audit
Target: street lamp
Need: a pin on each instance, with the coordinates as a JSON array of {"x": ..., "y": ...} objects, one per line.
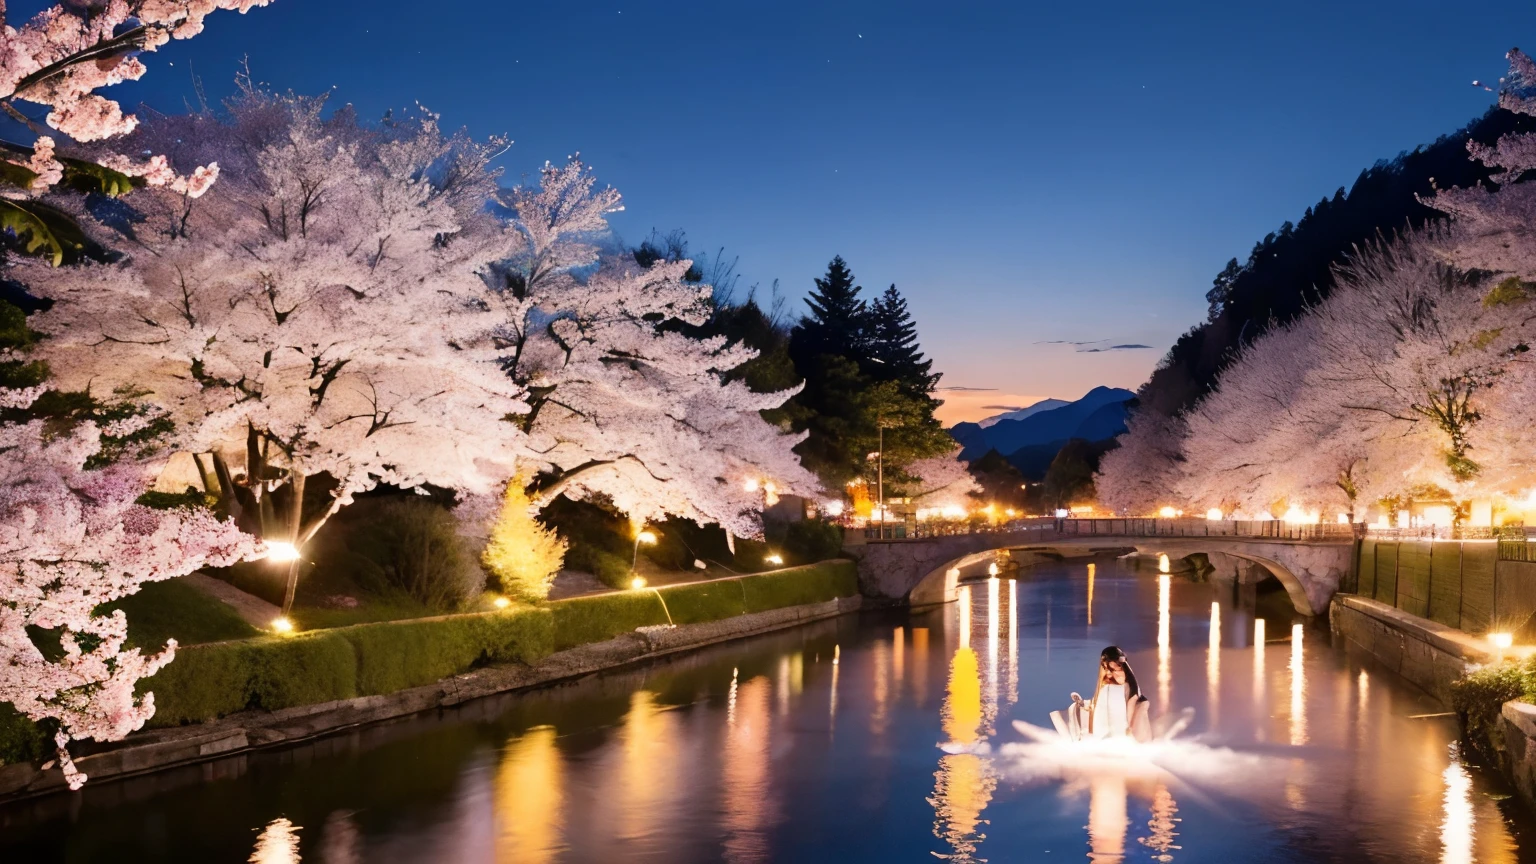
[{"x": 648, "y": 539}]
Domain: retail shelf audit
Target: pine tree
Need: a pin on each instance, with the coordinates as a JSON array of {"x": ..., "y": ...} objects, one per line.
[
  {"x": 839, "y": 319},
  {"x": 893, "y": 345}
]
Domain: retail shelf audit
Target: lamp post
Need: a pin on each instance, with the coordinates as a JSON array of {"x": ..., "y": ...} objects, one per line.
[{"x": 648, "y": 539}]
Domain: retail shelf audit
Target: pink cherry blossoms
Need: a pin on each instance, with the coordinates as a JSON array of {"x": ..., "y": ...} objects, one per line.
[{"x": 71, "y": 540}]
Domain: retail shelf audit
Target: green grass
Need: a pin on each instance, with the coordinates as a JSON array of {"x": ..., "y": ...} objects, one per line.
[
  {"x": 368, "y": 611},
  {"x": 175, "y": 610}
]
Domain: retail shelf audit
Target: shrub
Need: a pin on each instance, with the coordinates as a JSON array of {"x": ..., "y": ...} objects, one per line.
[
  {"x": 417, "y": 547},
  {"x": 811, "y": 540},
  {"x": 1479, "y": 699},
  {"x": 303, "y": 669},
  {"x": 610, "y": 569},
  {"x": 204, "y": 682},
  {"x": 21, "y": 740},
  {"x": 523, "y": 554},
  {"x": 705, "y": 601}
]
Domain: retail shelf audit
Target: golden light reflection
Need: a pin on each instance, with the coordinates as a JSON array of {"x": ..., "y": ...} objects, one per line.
[
  {"x": 530, "y": 799},
  {"x": 730, "y": 701},
  {"x": 899, "y": 655},
  {"x": 781, "y": 684},
  {"x": 1162, "y": 563},
  {"x": 1091, "y": 570},
  {"x": 832, "y": 703},
  {"x": 964, "y": 783},
  {"x": 1013, "y": 641},
  {"x": 747, "y": 808},
  {"x": 1164, "y": 651},
  {"x": 1258, "y": 661},
  {"x": 920, "y": 664},
  {"x": 648, "y": 767},
  {"x": 1162, "y": 824},
  {"x": 1456, "y": 828},
  {"x": 278, "y": 843},
  {"x": 1107, "y": 818},
  {"x": 994, "y": 614},
  {"x": 1213, "y": 664},
  {"x": 1298, "y": 689},
  {"x": 882, "y": 688},
  {"x": 964, "y": 611}
]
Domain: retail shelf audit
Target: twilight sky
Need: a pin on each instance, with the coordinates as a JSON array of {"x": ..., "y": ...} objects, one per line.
[{"x": 1029, "y": 174}]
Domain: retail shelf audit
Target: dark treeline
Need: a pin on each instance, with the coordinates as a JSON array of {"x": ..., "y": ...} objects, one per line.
[{"x": 1292, "y": 268}]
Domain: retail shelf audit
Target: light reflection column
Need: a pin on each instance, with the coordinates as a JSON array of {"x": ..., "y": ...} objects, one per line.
[
  {"x": 1013, "y": 641},
  {"x": 1298, "y": 689},
  {"x": 1213, "y": 665},
  {"x": 746, "y": 805},
  {"x": 1164, "y": 673},
  {"x": 1456, "y": 828},
  {"x": 994, "y": 614},
  {"x": 1091, "y": 570},
  {"x": 1107, "y": 818},
  {"x": 530, "y": 799},
  {"x": 1258, "y": 664},
  {"x": 964, "y": 783}
]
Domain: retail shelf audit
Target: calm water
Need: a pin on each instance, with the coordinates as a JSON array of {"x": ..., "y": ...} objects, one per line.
[{"x": 820, "y": 745}]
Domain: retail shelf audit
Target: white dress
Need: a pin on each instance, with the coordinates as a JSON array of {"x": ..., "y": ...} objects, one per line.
[{"x": 1109, "y": 719}]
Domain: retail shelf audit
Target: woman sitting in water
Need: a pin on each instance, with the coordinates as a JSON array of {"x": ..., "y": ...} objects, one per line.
[{"x": 1117, "y": 710}]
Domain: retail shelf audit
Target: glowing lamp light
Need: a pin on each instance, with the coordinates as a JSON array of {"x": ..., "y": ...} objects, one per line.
[
  {"x": 1167, "y": 512},
  {"x": 646, "y": 537},
  {"x": 750, "y": 485},
  {"x": 1343, "y": 518},
  {"x": 774, "y": 559},
  {"x": 953, "y": 511},
  {"x": 1213, "y": 514},
  {"x": 501, "y": 602},
  {"x": 992, "y": 569},
  {"x": 1501, "y": 640},
  {"x": 281, "y": 551},
  {"x": 833, "y": 508},
  {"x": 637, "y": 583},
  {"x": 282, "y": 625}
]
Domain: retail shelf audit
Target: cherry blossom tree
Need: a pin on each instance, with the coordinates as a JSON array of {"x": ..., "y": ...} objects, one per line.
[
  {"x": 1139, "y": 475},
  {"x": 941, "y": 481},
  {"x": 622, "y": 403},
  {"x": 71, "y": 540},
  {"x": 319, "y": 314},
  {"x": 59, "y": 59}
]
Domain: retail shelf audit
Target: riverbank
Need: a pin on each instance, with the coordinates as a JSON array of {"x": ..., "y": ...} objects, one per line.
[
  {"x": 1426, "y": 654},
  {"x": 559, "y": 641}
]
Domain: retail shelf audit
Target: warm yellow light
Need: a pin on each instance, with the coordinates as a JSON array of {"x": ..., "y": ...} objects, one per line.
[
  {"x": 1213, "y": 514},
  {"x": 646, "y": 537},
  {"x": 281, "y": 551},
  {"x": 774, "y": 559},
  {"x": 953, "y": 511},
  {"x": 501, "y": 602},
  {"x": 1343, "y": 518},
  {"x": 637, "y": 583},
  {"x": 992, "y": 569},
  {"x": 1297, "y": 516},
  {"x": 282, "y": 625},
  {"x": 1167, "y": 512},
  {"x": 1011, "y": 512},
  {"x": 751, "y": 485},
  {"x": 1501, "y": 640},
  {"x": 833, "y": 508},
  {"x": 1162, "y": 563}
]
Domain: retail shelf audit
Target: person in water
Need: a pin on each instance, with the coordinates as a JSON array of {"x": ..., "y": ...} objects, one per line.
[{"x": 1118, "y": 709}]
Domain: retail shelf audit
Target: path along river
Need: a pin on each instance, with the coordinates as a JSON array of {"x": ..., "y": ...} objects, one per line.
[{"x": 821, "y": 744}]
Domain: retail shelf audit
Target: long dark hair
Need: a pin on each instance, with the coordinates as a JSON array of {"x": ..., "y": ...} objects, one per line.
[{"x": 1118, "y": 656}]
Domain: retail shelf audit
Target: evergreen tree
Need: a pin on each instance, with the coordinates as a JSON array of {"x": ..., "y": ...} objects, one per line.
[
  {"x": 893, "y": 345},
  {"x": 839, "y": 320}
]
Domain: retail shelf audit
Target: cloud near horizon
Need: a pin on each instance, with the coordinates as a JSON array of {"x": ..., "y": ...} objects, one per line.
[{"x": 1113, "y": 348}]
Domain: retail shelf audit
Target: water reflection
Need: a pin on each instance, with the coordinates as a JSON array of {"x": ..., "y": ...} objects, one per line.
[
  {"x": 1164, "y": 649},
  {"x": 342, "y": 840},
  {"x": 746, "y": 782},
  {"x": 1258, "y": 663},
  {"x": 1013, "y": 641},
  {"x": 1161, "y": 825},
  {"x": 278, "y": 843},
  {"x": 1456, "y": 827},
  {"x": 1107, "y": 818},
  {"x": 1298, "y": 688},
  {"x": 964, "y": 783},
  {"x": 529, "y": 799},
  {"x": 648, "y": 768},
  {"x": 1213, "y": 666},
  {"x": 1092, "y": 569}
]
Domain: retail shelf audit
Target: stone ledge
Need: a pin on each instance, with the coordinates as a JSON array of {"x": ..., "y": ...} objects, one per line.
[
  {"x": 1471, "y": 648},
  {"x": 155, "y": 749}
]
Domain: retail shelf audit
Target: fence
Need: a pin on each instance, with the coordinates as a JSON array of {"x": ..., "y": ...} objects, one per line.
[
  {"x": 1471, "y": 585},
  {"x": 1041, "y": 528},
  {"x": 1267, "y": 529}
]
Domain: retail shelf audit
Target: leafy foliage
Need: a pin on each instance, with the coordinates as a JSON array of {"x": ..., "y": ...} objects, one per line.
[{"x": 523, "y": 554}]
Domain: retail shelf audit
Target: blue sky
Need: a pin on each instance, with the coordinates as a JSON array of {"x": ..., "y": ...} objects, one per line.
[{"x": 1024, "y": 172}]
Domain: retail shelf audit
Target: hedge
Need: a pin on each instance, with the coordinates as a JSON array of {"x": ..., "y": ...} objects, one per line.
[{"x": 274, "y": 672}]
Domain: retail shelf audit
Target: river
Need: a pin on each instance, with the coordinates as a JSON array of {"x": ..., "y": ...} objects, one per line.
[{"x": 820, "y": 744}]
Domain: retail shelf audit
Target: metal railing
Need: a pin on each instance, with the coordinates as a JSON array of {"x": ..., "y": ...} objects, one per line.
[
  {"x": 1269, "y": 529},
  {"x": 928, "y": 529}
]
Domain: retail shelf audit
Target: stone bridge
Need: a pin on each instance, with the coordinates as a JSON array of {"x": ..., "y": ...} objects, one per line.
[{"x": 926, "y": 571}]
